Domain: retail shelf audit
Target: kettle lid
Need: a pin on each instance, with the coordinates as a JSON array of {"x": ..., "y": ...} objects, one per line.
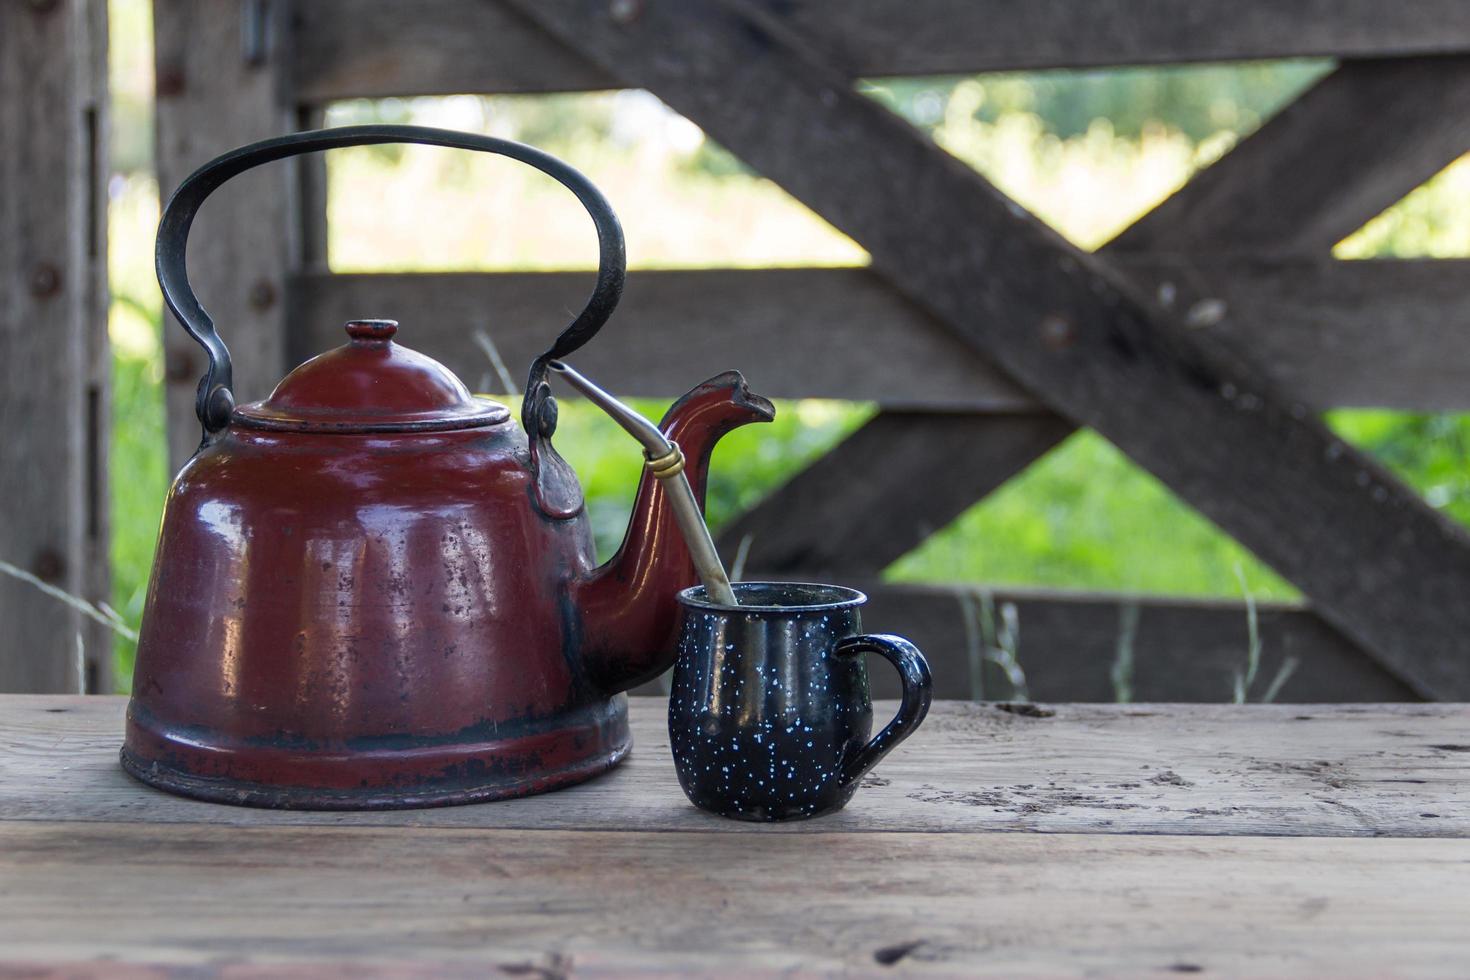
[{"x": 371, "y": 384}]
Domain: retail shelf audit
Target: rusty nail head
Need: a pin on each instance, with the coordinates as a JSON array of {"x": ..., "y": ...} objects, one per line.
[
  {"x": 262, "y": 294},
  {"x": 45, "y": 280},
  {"x": 1206, "y": 313},
  {"x": 1057, "y": 333},
  {"x": 625, "y": 11},
  {"x": 48, "y": 565},
  {"x": 169, "y": 81},
  {"x": 178, "y": 365}
]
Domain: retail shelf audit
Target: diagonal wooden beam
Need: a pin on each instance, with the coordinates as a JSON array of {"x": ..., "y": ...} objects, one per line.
[
  {"x": 863, "y": 509},
  {"x": 1231, "y": 206},
  {"x": 848, "y": 511},
  {"x": 1341, "y": 153},
  {"x": 1376, "y": 561}
]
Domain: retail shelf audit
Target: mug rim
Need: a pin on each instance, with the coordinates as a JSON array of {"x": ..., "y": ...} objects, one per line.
[{"x": 846, "y": 598}]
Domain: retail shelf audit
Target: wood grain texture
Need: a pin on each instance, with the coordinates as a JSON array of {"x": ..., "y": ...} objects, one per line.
[
  {"x": 1375, "y": 560},
  {"x": 212, "y": 97},
  {"x": 1296, "y": 770},
  {"x": 97, "y": 414},
  {"x": 442, "y": 47},
  {"x": 248, "y": 901},
  {"x": 804, "y": 333},
  {"x": 1382, "y": 334},
  {"x": 311, "y": 210},
  {"x": 1335, "y": 334},
  {"x": 1344, "y": 334},
  {"x": 1070, "y": 647},
  {"x": 54, "y": 358},
  {"x": 1248, "y": 196}
]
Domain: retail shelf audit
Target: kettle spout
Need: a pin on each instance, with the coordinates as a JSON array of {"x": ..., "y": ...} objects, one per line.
[{"x": 628, "y": 608}]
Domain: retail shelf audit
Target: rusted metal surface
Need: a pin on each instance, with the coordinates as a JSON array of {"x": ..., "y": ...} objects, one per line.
[
  {"x": 384, "y": 618},
  {"x": 372, "y": 589}
]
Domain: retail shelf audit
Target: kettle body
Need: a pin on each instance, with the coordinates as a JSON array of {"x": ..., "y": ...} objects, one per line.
[
  {"x": 374, "y": 589},
  {"x": 333, "y": 623}
]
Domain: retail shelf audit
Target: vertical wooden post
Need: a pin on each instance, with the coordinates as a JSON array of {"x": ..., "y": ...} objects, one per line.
[
  {"x": 310, "y": 230},
  {"x": 221, "y": 83},
  {"x": 54, "y": 360}
]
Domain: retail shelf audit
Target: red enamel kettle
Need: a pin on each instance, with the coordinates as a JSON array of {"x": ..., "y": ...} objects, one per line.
[{"x": 374, "y": 589}]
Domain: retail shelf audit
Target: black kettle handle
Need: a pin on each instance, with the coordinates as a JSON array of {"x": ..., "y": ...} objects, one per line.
[{"x": 216, "y": 398}]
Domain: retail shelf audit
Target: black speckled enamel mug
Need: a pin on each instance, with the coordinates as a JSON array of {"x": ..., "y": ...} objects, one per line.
[{"x": 769, "y": 715}]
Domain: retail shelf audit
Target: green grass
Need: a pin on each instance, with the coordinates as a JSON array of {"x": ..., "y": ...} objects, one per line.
[
  {"x": 139, "y": 483},
  {"x": 747, "y": 463},
  {"x": 1085, "y": 517}
]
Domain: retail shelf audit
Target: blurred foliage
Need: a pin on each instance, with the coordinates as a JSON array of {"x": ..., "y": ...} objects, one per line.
[
  {"x": 1431, "y": 222},
  {"x": 1431, "y": 451},
  {"x": 438, "y": 209},
  {"x": 1195, "y": 101},
  {"x": 139, "y": 456},
  {"x": 747, "y": 463},
  {"x": 1086, "y": 151},
  {"x": 1084, "y": 517},
  {"x": 130, "y": 79}
]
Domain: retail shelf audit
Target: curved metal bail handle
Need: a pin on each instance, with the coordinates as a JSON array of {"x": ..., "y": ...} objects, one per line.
[{"x": 215, "y": 400}]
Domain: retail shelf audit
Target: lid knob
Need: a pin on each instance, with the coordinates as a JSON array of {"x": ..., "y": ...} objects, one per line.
[
  {"x": 372, "y": 331},
  {"x": 369, "y": 384}
]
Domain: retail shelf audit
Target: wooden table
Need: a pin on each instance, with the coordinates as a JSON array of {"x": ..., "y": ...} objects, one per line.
[{"x": 1061, "y": 840}]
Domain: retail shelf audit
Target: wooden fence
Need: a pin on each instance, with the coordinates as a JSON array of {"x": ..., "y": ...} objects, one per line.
[
  {"x": 1202, "y": 341},
  {"x": 1007, "y": 337}
]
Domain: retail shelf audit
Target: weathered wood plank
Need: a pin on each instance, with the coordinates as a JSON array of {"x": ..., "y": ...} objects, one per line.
[
  {"x": 878, "y": 37},
  {"x": 1303, "y": 770},
  {"x": 450, "y": 46},
  {"x": 214, "y": 93},
  {"x": 1381, "y": 334},
  {"x": 424, "y": 902},
  {"x": 97, "y": 119},
  {"x": 1100, "y": 647},
  {"x": 1278, "y": 193},
  {"x": 1375, "y": 560},
  {"x": 814, "y": 333},
  {"x": 54, "y": 359},
  {"x": 311, "y": 212},
  {"x": 260, "y": 900},
  {"x": 1180, "y": 649},
  {"x": 1371, "y": 334}
]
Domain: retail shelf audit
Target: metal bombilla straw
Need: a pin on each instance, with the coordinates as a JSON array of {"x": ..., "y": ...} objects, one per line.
[{"x": 665, "y": 461}]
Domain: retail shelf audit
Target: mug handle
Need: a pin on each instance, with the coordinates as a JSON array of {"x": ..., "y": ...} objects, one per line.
[{"x": 913, "y": 671}]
